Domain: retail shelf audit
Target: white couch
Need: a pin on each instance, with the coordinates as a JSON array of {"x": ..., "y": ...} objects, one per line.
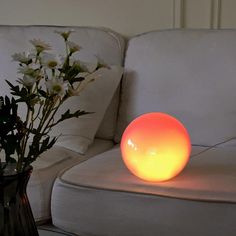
[{"x": 190, "y": 74}]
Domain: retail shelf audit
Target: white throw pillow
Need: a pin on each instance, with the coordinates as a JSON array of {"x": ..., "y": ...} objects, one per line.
[{"x": 78, "y": 133}]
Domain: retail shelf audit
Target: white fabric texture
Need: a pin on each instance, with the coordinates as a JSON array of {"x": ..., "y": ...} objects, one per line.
[
  {"x": 196, "y": 182},
  {"x": 95, "y": 42},
  {"x": 46, "y": 169},
  {"x": 107, "y": 128},
  {"x": 91, "y": 211},
  {"x": 188, "y": 74},
  {"x": 106, "y": 199}
]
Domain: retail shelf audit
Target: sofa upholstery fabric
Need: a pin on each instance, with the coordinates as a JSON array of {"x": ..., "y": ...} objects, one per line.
[
  {"x": 189, "y": 74},
  {"x": 107, "y": 171},
  {"x": 46, "y": 169},
  {"x": 108, "y": 200}
]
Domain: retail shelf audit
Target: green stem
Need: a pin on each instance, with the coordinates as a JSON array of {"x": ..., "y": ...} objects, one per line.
[
  {"x": 47, "y": 111},
  {"x": 24, "y": 142},
  {"x": 52, "y": 116},
  {"x": 1, "y": 169}
]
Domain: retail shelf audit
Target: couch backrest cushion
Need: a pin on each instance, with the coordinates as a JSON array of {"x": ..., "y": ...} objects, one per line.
[
  {"x": 95, "y": 42},
  {"x": 190, "y": 74}
]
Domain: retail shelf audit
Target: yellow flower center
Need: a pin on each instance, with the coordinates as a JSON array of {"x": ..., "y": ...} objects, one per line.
[
  {"x": 52, "y": 64},
  {"x": 57, "y": 88}
]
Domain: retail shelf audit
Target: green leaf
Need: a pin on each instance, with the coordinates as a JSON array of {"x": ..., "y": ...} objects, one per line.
[
  {"x": 52, "y": 142},
  {"x": 76, "y": 79},
  {"x": 11, "y": 160},
  {"x": 68, "y": 115},
  {"x": 42, "y": 93},
  {"x": 11, "y": 85},
  {"x": 15, "y": 89},
  {"x": 73, "y": 71},
  {"x": 10, "y": 144},
  {"x": 44, "y": 144}
]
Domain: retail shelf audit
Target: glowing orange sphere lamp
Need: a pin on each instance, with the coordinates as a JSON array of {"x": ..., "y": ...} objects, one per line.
[{"x": 155, "y": 147}]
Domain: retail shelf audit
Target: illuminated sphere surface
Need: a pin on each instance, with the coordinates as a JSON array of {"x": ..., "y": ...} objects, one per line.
[{"x": 155, "y": 147}]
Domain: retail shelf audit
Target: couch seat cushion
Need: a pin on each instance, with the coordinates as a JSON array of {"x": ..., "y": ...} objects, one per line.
[
  {"x": 105, "y": 199},
  {"x": 46, "y": 170}
]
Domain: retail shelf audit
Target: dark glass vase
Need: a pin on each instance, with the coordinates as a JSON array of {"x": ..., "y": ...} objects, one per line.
[{"x": 16, "y": 218}]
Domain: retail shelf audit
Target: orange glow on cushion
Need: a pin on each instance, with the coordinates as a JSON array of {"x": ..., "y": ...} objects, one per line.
[{"x": 155, "y": 147}]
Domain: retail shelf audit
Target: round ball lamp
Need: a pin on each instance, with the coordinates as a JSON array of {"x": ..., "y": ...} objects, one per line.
[{"x": 155, "y": 147}]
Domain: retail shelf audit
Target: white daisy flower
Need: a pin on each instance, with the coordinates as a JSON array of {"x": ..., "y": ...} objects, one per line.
[
  {"x": 26, "y": 70},
  {"x": 101, "y": 63},
  {"x": 23, "y": 57},
  {"x": 29, "y": 71},
  {"x": 40, "y": 45},
  {"x": 56, "y": 86},
  {"x": 49, "y": 60},
  {"x": 73, "y": 47},
  {"x": 85, "y": 66},
  {"x": 65, "y": 34},
  {"x": 27, "y": 81}
]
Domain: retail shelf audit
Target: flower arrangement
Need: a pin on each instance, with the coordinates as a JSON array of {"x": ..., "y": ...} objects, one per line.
[{"x": 46, "y": 82}]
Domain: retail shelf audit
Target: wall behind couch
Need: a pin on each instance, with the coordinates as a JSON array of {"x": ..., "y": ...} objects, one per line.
[{"x": 128, "y": 17}]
